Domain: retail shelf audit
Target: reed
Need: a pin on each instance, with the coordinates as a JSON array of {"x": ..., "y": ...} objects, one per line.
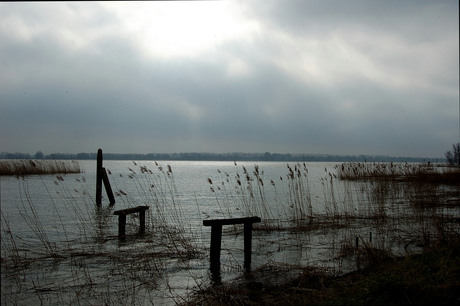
[
  {"x": 99, "y": 273},
  {"x": 419, "y": 172},
  {"x": 20, "y": 167},
  {"x": 428, "y": 278},
  {"x": 361, "y": 222},
  {"x": 246, "y": 195}
]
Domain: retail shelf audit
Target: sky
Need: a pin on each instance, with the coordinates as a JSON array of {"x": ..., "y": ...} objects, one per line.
[{"x": 313, "y": 77}]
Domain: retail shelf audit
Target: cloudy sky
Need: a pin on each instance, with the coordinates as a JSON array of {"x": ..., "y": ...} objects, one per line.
[{"x": 325, "y": 77}]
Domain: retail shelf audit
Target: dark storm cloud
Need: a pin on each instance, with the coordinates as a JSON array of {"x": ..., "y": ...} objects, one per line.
[{"x": 346, "y": 77}]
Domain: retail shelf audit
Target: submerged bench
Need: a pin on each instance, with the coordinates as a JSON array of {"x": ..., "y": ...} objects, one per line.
[
  {"x": 122, "y": 218},
  {"x": 216, "y": 238}
]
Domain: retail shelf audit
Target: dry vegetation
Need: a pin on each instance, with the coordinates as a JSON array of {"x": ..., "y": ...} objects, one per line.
[
  {"x": 378, "y": 215},
  {"x": 429, "y": 278},
  {"x": 94, "y": 266},
  {"x": 27, "y": 166},
  {"x": 413, "y": 209},
  {"x": 401, "y": 172}
]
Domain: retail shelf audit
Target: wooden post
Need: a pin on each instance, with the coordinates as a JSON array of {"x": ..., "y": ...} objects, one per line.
[
  {"x": 216, "y": 243},
  {"x": 121, "y": 224},
  {"x": 247, "y": 245},
  {"x": 99, "y": 177},
  {"x": 107, "y": 186},
  {"x": 142, "y": 221}
]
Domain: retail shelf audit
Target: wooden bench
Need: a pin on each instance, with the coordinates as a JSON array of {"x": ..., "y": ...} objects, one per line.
[
  {"x": 122, "y": 218},
  {"x": 216, "y": 238}
]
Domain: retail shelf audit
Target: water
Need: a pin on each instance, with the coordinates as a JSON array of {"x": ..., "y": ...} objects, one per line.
[{"x": 67, "y": 249}]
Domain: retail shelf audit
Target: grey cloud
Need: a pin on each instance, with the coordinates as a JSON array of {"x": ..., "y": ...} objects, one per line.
[
  {"x": 325, "y": 17},
  {"x": 108, "y": 95}
]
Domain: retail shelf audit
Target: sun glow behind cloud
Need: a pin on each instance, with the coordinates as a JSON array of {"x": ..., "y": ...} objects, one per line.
[{"x": 178, "y": 29}]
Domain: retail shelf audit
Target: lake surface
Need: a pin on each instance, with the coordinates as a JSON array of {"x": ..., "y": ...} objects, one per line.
[
  {"x": 68, "y": 251},
  {"x": 190, "y": 181}
]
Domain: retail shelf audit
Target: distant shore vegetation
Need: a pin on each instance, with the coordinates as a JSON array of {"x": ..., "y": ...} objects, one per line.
[
  {"x": 30, "y": 167},
  {"x": 237, "y": 156}
]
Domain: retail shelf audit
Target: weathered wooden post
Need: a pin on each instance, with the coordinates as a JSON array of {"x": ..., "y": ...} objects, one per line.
[
  {"x": 99, "y": 177},
  {"x": 121, "y": 225},
  {"x": 107, "y": 186},
  {"x": 247, "y": 245},
  {"x": 142, "y": 220},
  {"x": 216, "y": 243}
]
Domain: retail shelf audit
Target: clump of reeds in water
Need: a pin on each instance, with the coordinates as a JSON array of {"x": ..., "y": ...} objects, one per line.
[
  {"x": 246, "y": 195},
  {"x": 421, "y": 172},
  {"x": 158, "y": 190},
  {"x": 90, "y": 265},
  {"x": 28, "y": 166}
]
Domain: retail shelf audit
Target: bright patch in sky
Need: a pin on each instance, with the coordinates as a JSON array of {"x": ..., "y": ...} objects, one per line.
[{"x": 176, "y": 28}]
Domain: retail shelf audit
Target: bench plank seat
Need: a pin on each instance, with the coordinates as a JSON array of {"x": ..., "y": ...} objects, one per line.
[
  {"x": 231, "y": 221},
  {"x": 132, "y": 210}
]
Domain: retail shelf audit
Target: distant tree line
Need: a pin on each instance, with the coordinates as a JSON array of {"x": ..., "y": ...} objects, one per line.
[{"x": 238, "y": 156}]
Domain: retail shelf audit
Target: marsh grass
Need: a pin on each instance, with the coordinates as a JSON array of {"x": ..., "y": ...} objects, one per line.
[
  {"x": 368, "y": 219},
  {"x": 374, "y": 213},
  {"x": 92, "y": 265},
  {"x": 286, "y": 205},
  {"x": 406, "y": 172},
  {"x": 21, "y": 167},
  {"x": 428, "y": 278},
  {"x": 400, "y": 203}
]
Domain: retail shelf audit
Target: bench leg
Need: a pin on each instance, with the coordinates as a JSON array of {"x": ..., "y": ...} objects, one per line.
[
  {"x": 121, "y": 224},
  {"x": 216, "y": 240},
  {"x": 142, "y": 221},
  {"x": 247, "y": 245}
]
